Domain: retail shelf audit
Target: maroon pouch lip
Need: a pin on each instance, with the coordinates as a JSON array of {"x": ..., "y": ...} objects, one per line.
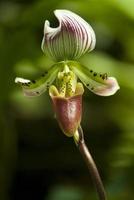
[{"x": 68, "y": 113}]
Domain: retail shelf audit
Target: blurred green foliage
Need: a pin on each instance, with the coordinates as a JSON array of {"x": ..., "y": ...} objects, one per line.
[{"x": 36, "y": 160}]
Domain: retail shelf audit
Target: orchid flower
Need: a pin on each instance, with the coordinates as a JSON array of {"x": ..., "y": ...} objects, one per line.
[
  {"x": 69, "y": 41},
  {"x": 65, "y": 44}
]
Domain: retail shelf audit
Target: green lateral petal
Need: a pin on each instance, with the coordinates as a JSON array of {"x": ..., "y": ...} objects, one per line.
[
  {"x": 37, "y": 87},
  {"x": 99, "y": 84}
]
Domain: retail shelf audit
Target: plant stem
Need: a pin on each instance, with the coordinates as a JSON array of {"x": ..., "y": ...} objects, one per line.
[{"x": 79, "y": 140}]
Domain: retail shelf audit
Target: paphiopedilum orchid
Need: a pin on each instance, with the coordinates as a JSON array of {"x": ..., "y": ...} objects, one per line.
[{"x": 65, "y": 44}]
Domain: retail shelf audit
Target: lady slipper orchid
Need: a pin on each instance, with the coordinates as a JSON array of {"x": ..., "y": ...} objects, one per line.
[
  {"x": 65, "y": 44},
  {"x": 70, "y": 40}
]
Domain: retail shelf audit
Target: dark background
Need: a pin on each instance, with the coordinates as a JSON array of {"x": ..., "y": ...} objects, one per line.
[{"x": 36, "y": 160}]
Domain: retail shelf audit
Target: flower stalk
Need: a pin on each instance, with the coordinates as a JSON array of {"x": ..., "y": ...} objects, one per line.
[{"x": 80, "y": 143}]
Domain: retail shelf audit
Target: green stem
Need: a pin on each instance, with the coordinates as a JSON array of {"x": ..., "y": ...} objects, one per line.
[{"x": 79, "y": 140}]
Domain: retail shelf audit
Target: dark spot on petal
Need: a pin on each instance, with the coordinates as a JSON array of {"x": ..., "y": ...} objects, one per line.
[
  {"x": 92, "y": 88},
  {"x": 47, "y": 85},
  {"x": 95, "y": 74},
  {"x": 91, "y": 71},
  {"x": 87, "y": 85},
  {"x": 104, "y": 76}
]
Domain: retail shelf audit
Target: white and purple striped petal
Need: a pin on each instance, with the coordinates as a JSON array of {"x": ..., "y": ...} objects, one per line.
[{"x": 70, "y": 40}]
